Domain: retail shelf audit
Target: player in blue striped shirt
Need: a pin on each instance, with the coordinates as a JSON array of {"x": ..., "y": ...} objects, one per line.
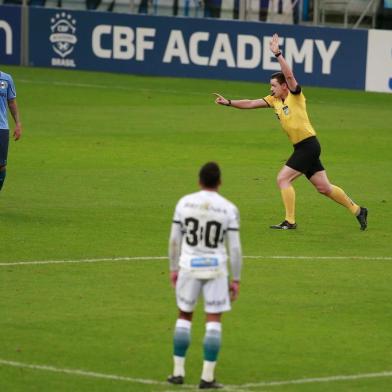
[{"x": 7, "y": 100}]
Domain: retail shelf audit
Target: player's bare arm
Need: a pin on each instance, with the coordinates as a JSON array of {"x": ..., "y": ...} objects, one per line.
[
  {"x": 240, "y": 103},
  {"x": 15, "y": 115},
  {"x": 287, "y": 71}
]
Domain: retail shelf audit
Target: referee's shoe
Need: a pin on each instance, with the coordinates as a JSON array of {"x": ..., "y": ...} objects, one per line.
[
  {"x": 362, "y": 217},
  {"x": 285, "y": 225}
]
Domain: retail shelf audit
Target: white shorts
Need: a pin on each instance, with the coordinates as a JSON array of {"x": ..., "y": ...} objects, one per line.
[{"x": 215, "y": 293}]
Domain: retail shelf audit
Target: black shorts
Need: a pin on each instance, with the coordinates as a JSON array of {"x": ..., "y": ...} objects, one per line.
[
  {"x": 306, "y": 157},
  {"x": 4, "y": 138}
]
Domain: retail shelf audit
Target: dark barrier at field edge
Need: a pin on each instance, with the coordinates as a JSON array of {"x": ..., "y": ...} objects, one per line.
[
  {"x": 149, "y": 45},
  {"x": 140, "y": 44},
  {"x": 10, "y": 35},
  {"x": 187, "y": 47}
]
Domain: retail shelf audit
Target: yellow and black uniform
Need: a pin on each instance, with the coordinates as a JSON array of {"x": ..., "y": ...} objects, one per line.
[{"x": 294, "y": 119}]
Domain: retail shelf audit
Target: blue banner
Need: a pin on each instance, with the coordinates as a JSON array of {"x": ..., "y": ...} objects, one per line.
[
  {"x": 10, "y": 34},
  {"x": 201, "y": 48}
]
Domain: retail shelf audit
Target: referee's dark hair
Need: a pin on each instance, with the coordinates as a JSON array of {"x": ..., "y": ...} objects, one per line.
[
  {"x": 279, "y": 77},
  {"x": 210, "y": 175}
]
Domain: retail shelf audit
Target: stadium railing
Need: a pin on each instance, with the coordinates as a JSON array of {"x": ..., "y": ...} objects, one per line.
[
  {"x": 343, "y": 13},
  {"x": 275, "y": 11},
  {"x": 349, "y": 13}
]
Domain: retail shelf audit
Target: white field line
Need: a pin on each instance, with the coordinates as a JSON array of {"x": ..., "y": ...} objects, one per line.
[
  {"x": 384, "y": 258},
  {"x": 84, "y": 373},
  {"x": 318, "y": 379},
  {"x": 156, "y": 258},
  {"x": 107, "y": 259},
  {"x": 105, "y": 87},
  {"x": 78, "y": 372}
]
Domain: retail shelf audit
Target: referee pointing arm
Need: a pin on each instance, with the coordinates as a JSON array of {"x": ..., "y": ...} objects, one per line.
[{"x": 289, "y": 103}]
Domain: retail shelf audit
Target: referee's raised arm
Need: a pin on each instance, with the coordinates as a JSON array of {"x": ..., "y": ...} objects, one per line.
[{"x": 287, "y": 71}]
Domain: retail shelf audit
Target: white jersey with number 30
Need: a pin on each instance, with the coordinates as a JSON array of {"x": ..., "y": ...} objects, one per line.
[{"x": 205, "y": 217}]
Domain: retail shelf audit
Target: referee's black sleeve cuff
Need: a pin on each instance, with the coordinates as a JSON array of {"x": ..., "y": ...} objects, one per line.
[
  {"x": 297, "y": 90},
  {"x": 266, "y": 102}
]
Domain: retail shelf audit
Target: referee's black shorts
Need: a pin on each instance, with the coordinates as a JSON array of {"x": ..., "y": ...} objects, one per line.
[{"x": 306, "y": 157}]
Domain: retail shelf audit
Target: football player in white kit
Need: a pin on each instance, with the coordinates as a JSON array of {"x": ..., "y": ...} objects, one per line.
[{"x": 205, "y": 226}]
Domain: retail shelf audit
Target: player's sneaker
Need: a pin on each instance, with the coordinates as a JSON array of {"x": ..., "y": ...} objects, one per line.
[
  {"x": 284, "y": 226},
  {"x": 362, "y": 217},
  {"x": 209, "y": 385},
  {"x": 176, "y": 380}
]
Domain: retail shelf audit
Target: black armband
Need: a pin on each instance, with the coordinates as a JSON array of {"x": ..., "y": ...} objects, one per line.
[
  {"x": 297, "y": 90},
  {"x": 228, "y": 102},
  {"x": 278, "y": 54}
]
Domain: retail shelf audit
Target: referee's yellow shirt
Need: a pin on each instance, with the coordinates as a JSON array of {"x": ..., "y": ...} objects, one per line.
[{"x": 292, "y": 116}]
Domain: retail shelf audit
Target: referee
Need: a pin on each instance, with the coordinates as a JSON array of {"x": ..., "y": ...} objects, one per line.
[
  {"x": 289, "y": 103},
  {"x": 7, "y": 100}
]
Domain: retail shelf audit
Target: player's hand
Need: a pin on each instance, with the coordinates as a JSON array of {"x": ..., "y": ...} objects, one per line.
[
  {"x": 234, "y": 289},
  {"x": 17, "y": 131},
  {"x": 274, "y": 44},
  {"x": 220, "y": 100},
  {"x": 173, "y": 278}
]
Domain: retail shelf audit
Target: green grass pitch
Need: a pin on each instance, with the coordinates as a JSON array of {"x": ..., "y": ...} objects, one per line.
[{"x": 102, "y": 162}]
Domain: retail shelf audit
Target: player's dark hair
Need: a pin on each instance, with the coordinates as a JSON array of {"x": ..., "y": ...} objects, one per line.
[
  {"x": 210, "y": 175},
  {"x": 279, "y": 77}
]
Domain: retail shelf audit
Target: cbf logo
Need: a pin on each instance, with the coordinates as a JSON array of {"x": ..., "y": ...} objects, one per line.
[{"x": 63, "y": 38}]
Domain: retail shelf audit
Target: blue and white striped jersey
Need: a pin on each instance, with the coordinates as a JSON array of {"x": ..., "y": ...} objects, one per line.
[{"x": 7, "y": 92}]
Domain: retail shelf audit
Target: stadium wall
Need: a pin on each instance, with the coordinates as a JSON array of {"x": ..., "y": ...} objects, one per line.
[
  {"x": 201, "y": 48},
  {"x": 10, "y": 35}
]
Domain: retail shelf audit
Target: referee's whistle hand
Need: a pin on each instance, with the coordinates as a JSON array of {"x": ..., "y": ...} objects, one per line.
[{"x": 220, "y": 100}]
